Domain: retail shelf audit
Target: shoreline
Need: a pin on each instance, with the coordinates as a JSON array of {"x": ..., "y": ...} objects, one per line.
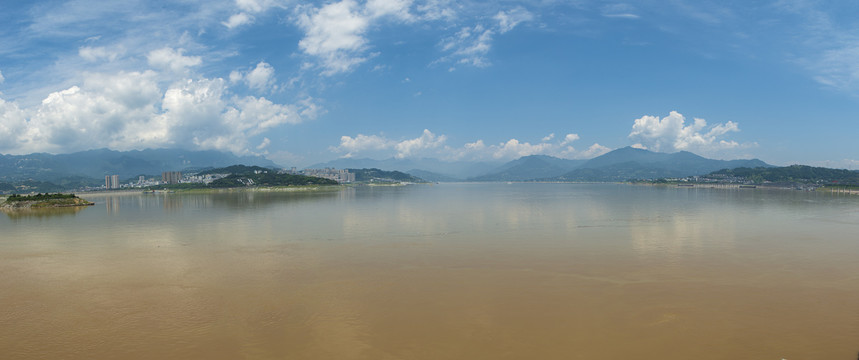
[
  {"x": 44, "y": 204},
  {"x": 821, "y": 189}
]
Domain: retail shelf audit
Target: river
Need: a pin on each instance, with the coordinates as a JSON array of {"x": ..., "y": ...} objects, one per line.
[{"x": 445, "y": 271}]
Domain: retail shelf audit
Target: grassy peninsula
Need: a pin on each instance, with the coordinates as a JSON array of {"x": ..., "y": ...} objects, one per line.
[{"x": 39, "y": 201}]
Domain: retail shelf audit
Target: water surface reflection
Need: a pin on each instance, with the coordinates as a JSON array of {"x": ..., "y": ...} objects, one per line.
[{"x": 483, "y": 271}]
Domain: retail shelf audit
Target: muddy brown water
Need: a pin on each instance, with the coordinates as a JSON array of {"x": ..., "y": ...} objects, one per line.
[{"x": 450, "y": 271}]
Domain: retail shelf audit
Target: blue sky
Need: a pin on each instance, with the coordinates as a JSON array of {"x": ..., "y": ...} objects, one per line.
[{"x": 304, "y": 82}]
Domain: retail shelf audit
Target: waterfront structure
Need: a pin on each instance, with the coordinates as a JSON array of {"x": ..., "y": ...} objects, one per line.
[
  {"x": 171, "y": 177},
  {"x": 338, "y": 175}
]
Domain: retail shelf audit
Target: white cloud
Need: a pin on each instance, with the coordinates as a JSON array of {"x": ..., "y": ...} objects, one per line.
[
  {"x": 128, "y": 110},
  {"x": 427, "y": 140},
  {"x": 236, "y": 76},
  {"x": 261, "y": 77},
  {"x": 670, "y": 134},
  {"x": 594, "y": 151},
  {"x": 397, "y": 8},
  {"x": 839, "y": 67},
  {"x": 824, "y": 43},
  {"x": 247, "y": 8},
  {"x": 237, "y": 20},
  {"x": 264, "y": 144},
  {"x": 433, "y": 10},
  {"x": 13, "y": 125},
  {"x": 471, "y": 44},
  {"x": 569, "y": 138},
  {"x": 167, "y": 58},
  {"x": 335, "y": 33},
  {"x": 351, "y": 145},
  {"x": 549, "y": 137},
  {"x": 93, "y": 54},
  {"x": 621, "y": 11},
  {"x": 429, "y": 144},
  {"x": 514, "y": 149},
  {"x": 402, "y": 149},
  {"x": 2, "y": 79},
  {"x": 507, "y": 20},
  {"x": 255, "y": 6}
]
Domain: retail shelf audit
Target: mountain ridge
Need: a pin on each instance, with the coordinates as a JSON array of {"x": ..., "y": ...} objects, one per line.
[
  {"x": 97, "y": 163},
  {"x": 631, "y": 163}
]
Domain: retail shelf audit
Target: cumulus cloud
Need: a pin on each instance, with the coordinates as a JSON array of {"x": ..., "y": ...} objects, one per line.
[
  {"x": 569, "y": 138},
  {"x": 429, "y": 144},
  {"x": 427, "y": 140},
  {"x": 594, "y": 151},
  {"x": 13, "y": 125},
  {"x": 402, "y": 149},
  {"x": 336, "y": 33},
  {"x": 514, "y": 149},
  {"x": 129, "y": 110},
  {"x": 260, "y": 78},
  {"x": 351, "y": 145},
  {"x": 471, "y": 44},
  {"x": 167, "y": 58},
  {"x": 670, "y": 134}
]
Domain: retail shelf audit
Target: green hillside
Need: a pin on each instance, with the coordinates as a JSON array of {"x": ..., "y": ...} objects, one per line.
[{"x": 793, "y": 174}]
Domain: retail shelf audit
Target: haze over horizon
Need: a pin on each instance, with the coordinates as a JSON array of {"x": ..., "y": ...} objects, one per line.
[{"x": 308, "y": 82}]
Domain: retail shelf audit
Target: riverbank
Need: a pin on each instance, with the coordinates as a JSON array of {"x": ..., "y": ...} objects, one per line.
[{"x": 786, "y": 187}]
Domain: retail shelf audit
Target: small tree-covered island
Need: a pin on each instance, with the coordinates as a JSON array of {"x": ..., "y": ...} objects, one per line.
[{"x": 43, "y": 201}]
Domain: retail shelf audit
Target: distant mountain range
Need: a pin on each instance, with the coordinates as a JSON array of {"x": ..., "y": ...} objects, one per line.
[
  {"x": 95, "y": 164},
  {"x": 618, "y": 165},
  {"x": 631, "y": 163},
  {"x": 531, "y": 168},
  {"x": 426, "y": 168},
  {"x": 88, "y": 168}
]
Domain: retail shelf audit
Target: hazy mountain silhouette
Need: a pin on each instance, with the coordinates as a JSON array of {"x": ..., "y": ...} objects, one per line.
[
  {"x": 529, "y": 168},
  {"x": 95, "y": 164},
  {"x": 631, "y": 163}
]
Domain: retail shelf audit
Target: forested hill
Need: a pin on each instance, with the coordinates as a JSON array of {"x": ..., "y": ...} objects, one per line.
[
  {"x": 269, "y": 178},
  {"x": 368, "y": 175},
  {"x": 794, "y": 174}
]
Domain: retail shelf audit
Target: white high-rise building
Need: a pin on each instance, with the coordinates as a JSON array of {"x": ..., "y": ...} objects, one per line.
[{"x": 111, "y": 181}]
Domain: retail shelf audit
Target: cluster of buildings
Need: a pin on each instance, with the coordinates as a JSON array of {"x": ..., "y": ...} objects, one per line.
[
  {"x": 176, "y": 177},
  {"x": 111, "y": 182},
  {"x": 167, "y": 177},
  {"x": 338, "y": 175}
]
